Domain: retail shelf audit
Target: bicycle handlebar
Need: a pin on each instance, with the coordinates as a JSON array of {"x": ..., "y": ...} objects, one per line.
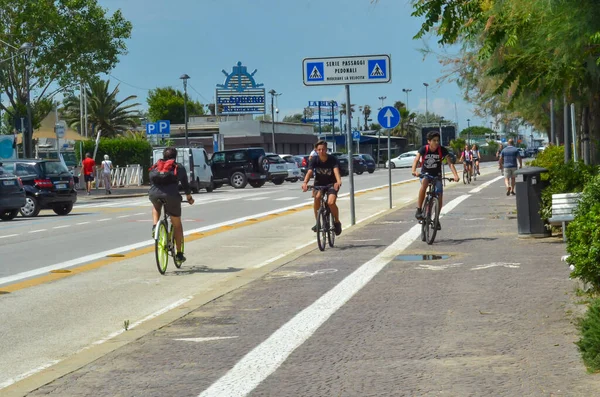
[{"x": 426, "y": 175}]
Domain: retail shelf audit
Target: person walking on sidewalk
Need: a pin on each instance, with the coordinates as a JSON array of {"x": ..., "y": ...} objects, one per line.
[
  {"x": 500, "y": 147},
  {"x": 432, "y": 155},
  {"x": 106, "y": 169},
  {"x": 88, "y": 172},
  {"x": 508, "y": 158}
]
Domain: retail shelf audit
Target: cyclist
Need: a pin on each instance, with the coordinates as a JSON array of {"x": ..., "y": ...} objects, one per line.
[
  {"x": 431, "y": 156},
  {"x": 476, "y": 156},
  {"x": 326, "y": 170},
  {"x": 165, "y": 186},
  {"x": 466, "y": 158}
]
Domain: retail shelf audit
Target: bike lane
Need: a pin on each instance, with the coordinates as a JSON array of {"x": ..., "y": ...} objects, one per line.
[{"x": 491, "y": 319}]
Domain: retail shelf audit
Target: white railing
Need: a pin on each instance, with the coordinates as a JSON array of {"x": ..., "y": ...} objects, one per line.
[{"x": 130, "y": 175}]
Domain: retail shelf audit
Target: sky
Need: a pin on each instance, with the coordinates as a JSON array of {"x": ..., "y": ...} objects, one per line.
[{"x": 203, "y": 37}]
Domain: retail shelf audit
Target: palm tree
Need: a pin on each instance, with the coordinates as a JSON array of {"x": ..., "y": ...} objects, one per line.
[
  {"x": 105, "y": 112},
  {"x": 366, "y": 113}
]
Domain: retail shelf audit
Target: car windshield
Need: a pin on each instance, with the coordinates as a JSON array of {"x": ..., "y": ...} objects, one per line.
[
  {"x": 53, "y": 167},
  {"x": 275, "y": 159},
  {"x": 367, "y": 157},
  {"x": 256, "y": 153}
]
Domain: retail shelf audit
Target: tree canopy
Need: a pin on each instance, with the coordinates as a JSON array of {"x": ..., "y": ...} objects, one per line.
[{"x": 167, "y": 103}]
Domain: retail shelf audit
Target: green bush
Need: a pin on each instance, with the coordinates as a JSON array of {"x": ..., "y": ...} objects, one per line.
[
  {"x": 583, "y": 236},
  {"x": 562, "y": 178},
  {"x": 458, "y": 146},
  {"x": 589, "y": 343},
  {"x": 122, "y": 152}
]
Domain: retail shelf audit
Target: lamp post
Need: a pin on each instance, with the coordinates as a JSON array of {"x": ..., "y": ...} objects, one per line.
[
  {"x": 406, "y": 90},
  {"x": 185, "y": 78},
  {"x": 426, "y": 103},
  {"x": 382, "y": 98},
  {"x": 27, "y": 48},
  {"x": 273, "y": 93},
  {"x": 468, "y": 131}
]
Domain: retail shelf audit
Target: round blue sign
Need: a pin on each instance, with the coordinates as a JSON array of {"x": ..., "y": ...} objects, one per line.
[{"x": 388, "y": 117}]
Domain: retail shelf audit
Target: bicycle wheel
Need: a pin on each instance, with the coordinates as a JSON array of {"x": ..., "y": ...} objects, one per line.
[
  {"x": 330, "y": 229},
  {"x": 465, "y": 177},
  {"x": 474, "y": 175},
  {"x": 433, "y": 218},
  {"x": 321, "y": 229},
  {"x": 161, "y": 247},
  {"x": 424, "y": 213},
  {"x": 173, "y": 249}
]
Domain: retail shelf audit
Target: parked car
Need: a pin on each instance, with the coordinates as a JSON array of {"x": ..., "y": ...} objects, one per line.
[
  {"x": 302, "y": 160},
  {"x": 369, "y": 161},
  {"x": 238, "y": 167},
  {"x": 197, "y": 165},
  {"x": 292, "y": 167},
  {"x": 358, "y": 163},
  {"x": 48, "y": 184},
  {"x": 12, "y": 195},
  {"x": 278, "y": 169},
  {"x": 343, "y": 163},
  {"x": 404, "y": 160}
]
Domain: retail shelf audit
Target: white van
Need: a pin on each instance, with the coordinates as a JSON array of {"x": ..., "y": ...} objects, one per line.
[{"x": 195, "y": 160}]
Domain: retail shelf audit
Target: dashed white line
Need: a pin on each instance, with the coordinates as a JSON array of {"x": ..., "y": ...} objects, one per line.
[
  {"x": 124, "y": 216},
  {"x": 61, "y": 227},
  {"x": 285, "y": 198},
  {"x": 82, "y": 223},
  {"x": 37, "y": 231},
  {"x": 9, "y": 235},
  {"x": 104, "y": 220}
]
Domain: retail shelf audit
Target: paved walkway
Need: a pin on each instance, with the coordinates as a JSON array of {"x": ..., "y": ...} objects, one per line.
[{"x": 494, "y": 316}]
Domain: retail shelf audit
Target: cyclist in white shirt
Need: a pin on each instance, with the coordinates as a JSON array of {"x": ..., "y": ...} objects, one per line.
[{"x": 475, "y": 156}]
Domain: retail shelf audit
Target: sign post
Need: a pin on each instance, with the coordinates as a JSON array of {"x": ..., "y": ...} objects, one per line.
[
  {"x": 367, "y": 69},
  {"x": 389, "y": 117}
]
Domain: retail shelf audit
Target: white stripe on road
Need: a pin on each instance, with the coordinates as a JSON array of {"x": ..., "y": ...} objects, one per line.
[
  {"x": 124, "y": 216},
  {"x": 264, "y": 359},
  {"x": 488, "y": 183},
  {"x": 9, "y": 235},
  {"x": 286, "y": 198},
  {"x": 104, "y": 220},
  {"x": 37, "y": 231},
  {"x": 61, "y": 227},
  {"x": 82, "y": 223}
]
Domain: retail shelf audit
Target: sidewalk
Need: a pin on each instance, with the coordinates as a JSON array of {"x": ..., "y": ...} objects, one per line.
[
  {"x": 493, "y": 318},
  {"x": 117, "y": 192}
]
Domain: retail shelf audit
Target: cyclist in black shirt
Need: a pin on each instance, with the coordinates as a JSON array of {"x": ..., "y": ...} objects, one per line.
[
  {"x": 432, "y": 155},
  {"x": 327, "y": 173}
]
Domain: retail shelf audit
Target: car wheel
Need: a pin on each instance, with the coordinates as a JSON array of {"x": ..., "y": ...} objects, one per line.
[
  {"x": 8, "y": 215},
  {"x": 263, "y": 165},
  {"x": 31, "y": 207},
  {"x": 294, "y": 180},
  {"x": 392, "y": 165},
  {"x": 256, "y": 184},
  {"x": 210, "y": 187},
  {"x": 63, "y": 209},
  {"x": 371, "y": 171},
  {"x": 359, "y": 172},
  {"x": 238, "y": 180},
  {"x": 278, "y": 181},
  {"x": 196, "y": 188}
]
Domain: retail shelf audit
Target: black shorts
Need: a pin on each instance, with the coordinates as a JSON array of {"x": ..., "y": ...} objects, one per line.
[
  {"x": 172, "y": 204},
  {"x": 327, "y": 189},
  {"x": 89, "y": 177}
]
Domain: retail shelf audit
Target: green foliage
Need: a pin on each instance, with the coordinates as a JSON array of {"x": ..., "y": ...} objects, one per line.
[
  {"x": 589, "y": 343},
  {"x": 457, "y": 146},
  {"x": 167, "y": 103},
  {"x": 583, "y": 236},
  {"x": 295, "y": 118},
  {"x": 491, "y": 148},
  {"x": 122, "y": 152},
  {"x": 476, "y": 131}
]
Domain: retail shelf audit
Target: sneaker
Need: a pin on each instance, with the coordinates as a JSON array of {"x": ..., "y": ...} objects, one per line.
[
  {"x": 337, "y": 227},
  {"x": 314, "y": 228},
  {"x": 512, "y": 192},
  {"x": 439, "y": 226},
  {"x": 109, "y": 192},
  {"x": 508, "y": 192},
  {"x": 419, "y": 214},
  {"x": 180, "y": 258},
  {"x": 89, "y": 193},
  {"x": 153, "y": 230}
]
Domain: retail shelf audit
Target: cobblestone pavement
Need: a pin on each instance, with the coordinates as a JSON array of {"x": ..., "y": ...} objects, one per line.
[{"x": 494, "y": 318}]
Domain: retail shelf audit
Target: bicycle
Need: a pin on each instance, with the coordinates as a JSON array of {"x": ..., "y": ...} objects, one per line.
[
  {"x": 325, "y": 228},
  {"x": 431, "y": 209},
  {"x": 164, "y": 242},
  {"x": 466, "y": 173}
]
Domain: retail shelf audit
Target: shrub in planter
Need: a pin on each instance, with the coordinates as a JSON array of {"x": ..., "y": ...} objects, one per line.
[{"x": 589, "y": 344}]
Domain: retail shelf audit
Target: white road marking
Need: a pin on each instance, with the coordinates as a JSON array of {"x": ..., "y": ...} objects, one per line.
[
  {"x": 82, "y": 223},
  {"x": 9, "y": 235},
  {"x": 365, "y": 240},
  {"x": 207, "y": 339},
  {"x": 483, "y": 186},
  {"x": 437, "y": 267},
  {"x": 37, "y": 231},
  {"x": 264, "y": 359},
  {"x": 124, "y": 216},
  {"x": 104, "y": 220},
  {"x": 61, "y": 227},
  {"x": 377, "y": 198},
  {"x": 140, "y": 213},
  {"x": 27, "y": 374},
  {"x": 497, "y": 264},
  {"x": 286, "y": 198},
  {"x": 254, "y": 199}
]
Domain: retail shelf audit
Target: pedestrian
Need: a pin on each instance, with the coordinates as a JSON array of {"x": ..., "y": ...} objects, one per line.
[
  {"x": 499, "y": 161},
  {"x": 106, "y": 170},
  {"x": 88, "y": 172},
  {"x": 509, "y": 157}
]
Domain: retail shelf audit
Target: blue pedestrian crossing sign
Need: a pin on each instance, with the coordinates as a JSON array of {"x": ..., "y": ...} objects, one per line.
[
  {"x": 362, "y": 69},
  {"x": 314, "y": 70},
  {"x": 377, "y": 69},
  {"x": 388, "y": 117}
]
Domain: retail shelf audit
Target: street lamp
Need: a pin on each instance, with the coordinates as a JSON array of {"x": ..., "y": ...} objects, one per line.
[
  {"x": 382, "y": 98},
  {"x": 27, "y": 48},
  {"x": 426, "y": 103},
  {"x": 185, "y": 78},
  {"x": 273, "y": 93},
  {"x": 406, "y": 90},
  {"x": 468, "y": 131}
]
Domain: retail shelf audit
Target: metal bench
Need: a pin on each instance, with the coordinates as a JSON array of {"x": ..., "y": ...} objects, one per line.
[{"x": 563, "y": 210}]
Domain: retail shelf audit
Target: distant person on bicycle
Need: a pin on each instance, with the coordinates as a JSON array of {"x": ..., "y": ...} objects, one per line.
[
  {"x": 326, "y": 170},
  {"x": 476, "y": 156},
  {"x": 165, "y": 177},
  {"x": 466, "y": 158},
  {"x": 431, "y": 156}
]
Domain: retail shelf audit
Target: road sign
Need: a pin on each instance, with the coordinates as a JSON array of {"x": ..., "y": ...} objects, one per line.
[
  {"x": 356, "y": 135},
  {"x": 160, "y": 129},
  {"x": 388, "y": 117},
  {"x": 347, "y": 70},
  {"x": 60, "y": 128}
]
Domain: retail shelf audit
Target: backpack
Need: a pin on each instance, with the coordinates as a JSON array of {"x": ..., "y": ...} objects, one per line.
[
  {"x": 164, "y": 172},
  {"x": 427, "y": 151}
]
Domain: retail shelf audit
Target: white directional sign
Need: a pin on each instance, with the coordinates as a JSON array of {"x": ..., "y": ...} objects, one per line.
[
  {"x": 347, "y": 70},
  {"x": 60, "y": 128},
  {"x": 388, "y": 117}
]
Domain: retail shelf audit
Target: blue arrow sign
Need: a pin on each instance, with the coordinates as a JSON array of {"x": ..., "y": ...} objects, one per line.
[{"x": 388, "y": 117}]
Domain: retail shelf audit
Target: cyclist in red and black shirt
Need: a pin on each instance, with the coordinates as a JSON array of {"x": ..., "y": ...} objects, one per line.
[{"x": 432, "y": 155}]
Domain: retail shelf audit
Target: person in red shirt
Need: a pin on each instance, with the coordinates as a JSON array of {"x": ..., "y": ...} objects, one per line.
[{"x": 88, "y": 172}]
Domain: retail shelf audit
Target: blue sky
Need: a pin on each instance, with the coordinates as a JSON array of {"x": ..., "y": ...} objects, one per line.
[{"x": 202, "y": 37}]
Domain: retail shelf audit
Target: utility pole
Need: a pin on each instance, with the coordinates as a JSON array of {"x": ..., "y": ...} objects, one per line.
[
  {"x": 185, "y": 78},
  {"x": 332, "y": 125},
  {"x": 406, "y": 90},
  {"x": 382, "y": 98},
  {"x": 468, "y": 131},
  {"x": 426, "y": 103}
]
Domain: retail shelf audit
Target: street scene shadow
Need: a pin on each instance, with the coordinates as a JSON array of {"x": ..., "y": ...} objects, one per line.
[
  {"x": 464, "y": 240},
  {"x": 201, "y": 269},
  {"x": 352, "y": 246}
]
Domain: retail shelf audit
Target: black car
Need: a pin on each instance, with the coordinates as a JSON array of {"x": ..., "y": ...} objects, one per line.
[
  {"x": 239, "y": 167},
  {"x": 12, "y": 195},
  {"x": 343, "y": 163},
  {"x": 359, "y": 164},
  {"x": 48, "y": 184},
  {"x": 369, "y": 161}
]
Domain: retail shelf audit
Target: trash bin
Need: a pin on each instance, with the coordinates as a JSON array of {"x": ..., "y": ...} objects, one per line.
[{"x": 529, "y": 200}]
